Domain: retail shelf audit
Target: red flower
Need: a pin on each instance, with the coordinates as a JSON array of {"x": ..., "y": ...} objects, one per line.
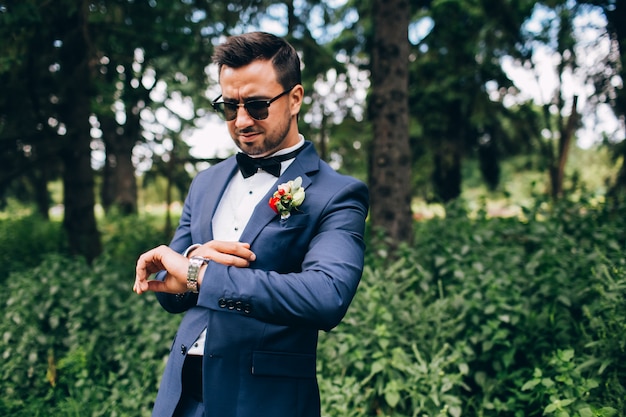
[{"x": 273, "y": 201}]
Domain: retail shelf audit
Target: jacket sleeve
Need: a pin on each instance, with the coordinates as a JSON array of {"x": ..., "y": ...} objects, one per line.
[
  {"x": 182, "y": 239},
  {"x": 307, "y": 278}
]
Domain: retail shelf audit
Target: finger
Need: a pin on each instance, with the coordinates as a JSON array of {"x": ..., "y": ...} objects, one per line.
[
  {"x": 140, "y": 276},
  {"x": 165, "y": 286},
  {"x": 240, "y": 249},
  {"x": 227, "y": 247},
  {"x": 230, "y": 260},
  {"x": 244, "y": 252},
  {"x": 140, "y": 286},
  {"x": 147, "y": 264}
]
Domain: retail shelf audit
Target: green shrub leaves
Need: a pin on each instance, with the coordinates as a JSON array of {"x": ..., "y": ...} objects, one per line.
[
  {"x": 480, "y": 317},
  {"x": 488, "y": 317}
]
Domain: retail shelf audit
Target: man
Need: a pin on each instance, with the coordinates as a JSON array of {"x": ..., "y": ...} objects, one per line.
[{"x": 259, "y": 263}]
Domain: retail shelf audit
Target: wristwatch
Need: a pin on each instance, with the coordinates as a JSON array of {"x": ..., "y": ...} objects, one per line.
[{"x": 195, "y": 263}]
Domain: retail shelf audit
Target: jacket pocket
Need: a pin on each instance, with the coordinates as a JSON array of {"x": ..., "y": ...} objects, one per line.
[{"x": 290, "y": 365}]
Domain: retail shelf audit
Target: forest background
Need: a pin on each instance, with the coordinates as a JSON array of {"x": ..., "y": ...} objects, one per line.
[{"x": 495, "y": 279}]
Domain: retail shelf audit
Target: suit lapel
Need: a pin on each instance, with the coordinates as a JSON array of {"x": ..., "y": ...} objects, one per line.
[
  {"x": 223, "y": 173},
  {"x": 305, "y": 163}
]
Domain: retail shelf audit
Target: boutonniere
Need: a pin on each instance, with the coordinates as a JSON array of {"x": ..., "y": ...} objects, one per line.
[{"x": 289, "y": 196}]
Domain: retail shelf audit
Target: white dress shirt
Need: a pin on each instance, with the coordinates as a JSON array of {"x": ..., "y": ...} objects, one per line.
[{"x": 235, "y": 209}]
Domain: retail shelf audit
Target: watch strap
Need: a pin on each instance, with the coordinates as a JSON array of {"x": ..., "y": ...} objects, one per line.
[{"x": 195, "y": 263}]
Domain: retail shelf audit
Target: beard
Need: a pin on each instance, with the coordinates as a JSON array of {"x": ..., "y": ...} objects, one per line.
[{"x": 272, "y": 140}]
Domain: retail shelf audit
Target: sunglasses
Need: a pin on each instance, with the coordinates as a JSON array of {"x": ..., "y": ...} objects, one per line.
[{"x": 257, "y": 109}]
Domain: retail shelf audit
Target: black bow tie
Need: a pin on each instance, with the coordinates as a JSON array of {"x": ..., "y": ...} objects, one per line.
[{"x": 249, "y": 166}]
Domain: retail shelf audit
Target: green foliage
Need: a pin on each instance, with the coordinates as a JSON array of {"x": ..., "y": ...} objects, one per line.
[
  {"x": 488, "y": 317},
  {"x": 126, "y": 237},
  {"x": 76, "y": 341},
  {"x": 24, "y": 240},
  {"x": 377, "y": 347},
  {"x": 480, "y": 317},
  {"x": 563, "y": 386}
]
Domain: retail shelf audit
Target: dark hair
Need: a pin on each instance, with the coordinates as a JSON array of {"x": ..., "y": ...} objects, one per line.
[{"x": 241, "y": 50}]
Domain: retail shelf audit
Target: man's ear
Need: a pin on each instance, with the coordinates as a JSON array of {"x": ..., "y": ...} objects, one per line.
[{"x": 296, "y": 96}]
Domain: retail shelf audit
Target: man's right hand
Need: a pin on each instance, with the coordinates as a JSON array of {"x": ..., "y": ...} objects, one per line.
[{"x": 227, "y": 253}]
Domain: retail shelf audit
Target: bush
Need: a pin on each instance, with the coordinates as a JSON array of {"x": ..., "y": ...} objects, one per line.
[
  {"x": 76, "y": 341},
  {"x": 25, "y": 240},
  {"x": 124, "y": 238},
  {"x": 488, "y": 317},
  {"x": 481, "y": 317}
]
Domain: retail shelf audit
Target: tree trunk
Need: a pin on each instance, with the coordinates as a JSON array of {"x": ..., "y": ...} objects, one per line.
[
  {"x": 557, "y": 170},
  {"x": 39, "y": 179},
  {"x": 447, "y": 171},
  {"x": 619, "y": 187},
  {"x": 119, "y": 186},
  {"x": 616, "y": 15},
  {"x": 390, "y": 163},
  {"x": 78, "y": 176},
  {"x": 489, "y": 161}
]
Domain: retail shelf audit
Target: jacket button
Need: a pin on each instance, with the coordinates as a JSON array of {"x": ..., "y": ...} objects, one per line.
[
  {"x": 183, "y": 349},
  {"x": 247, "y": 308},
  {"x": 238, "y": 306},
  {"x": 221, "y": 302},
  {"x": 231, "y": 305}
]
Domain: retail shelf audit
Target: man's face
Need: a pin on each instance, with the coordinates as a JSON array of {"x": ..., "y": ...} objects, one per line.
[{"x": 257, "y": 81}]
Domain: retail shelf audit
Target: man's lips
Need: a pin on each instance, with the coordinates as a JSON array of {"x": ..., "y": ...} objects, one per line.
[{"x": 248, "y": 136}]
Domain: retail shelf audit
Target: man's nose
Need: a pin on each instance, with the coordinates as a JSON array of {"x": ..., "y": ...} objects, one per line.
[{"x": 243, "y": 118}]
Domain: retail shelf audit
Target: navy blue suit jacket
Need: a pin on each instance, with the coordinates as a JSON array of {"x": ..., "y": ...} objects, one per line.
[{"x": 263, "y": 321}]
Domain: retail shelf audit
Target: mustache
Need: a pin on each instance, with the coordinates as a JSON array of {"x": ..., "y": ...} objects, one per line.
[{"x": 246, "y": 130}]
